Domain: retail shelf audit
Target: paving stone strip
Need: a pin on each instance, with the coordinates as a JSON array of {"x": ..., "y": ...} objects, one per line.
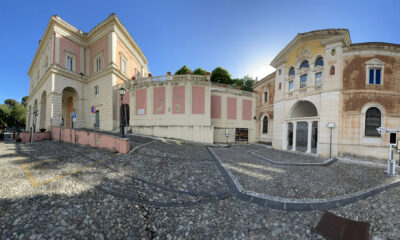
[
  {"x": 142, "y": 145},
  {"x": 325, "y": 163},
  {"x": 291, "y": 204}
]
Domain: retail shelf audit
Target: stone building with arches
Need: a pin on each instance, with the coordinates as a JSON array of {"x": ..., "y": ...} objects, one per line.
[
  {"x": 322, "y": 77},
  {"x": 73, "y": 70}
]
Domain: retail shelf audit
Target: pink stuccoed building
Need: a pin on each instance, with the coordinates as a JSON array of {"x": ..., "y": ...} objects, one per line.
[{"x": 73, "y": 71}]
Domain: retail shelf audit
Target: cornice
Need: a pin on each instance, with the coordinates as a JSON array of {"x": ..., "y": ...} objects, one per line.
[
  {"x": 370, "y": 46},
  {"x": 326, "y": 36},
  {"x": 60, "y": 26},
  {"x": 269, "y": 77}
]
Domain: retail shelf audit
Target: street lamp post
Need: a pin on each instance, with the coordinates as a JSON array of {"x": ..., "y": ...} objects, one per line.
[
  {"x": 122, "y": 92},
  {"x": 33, "y": 128}
]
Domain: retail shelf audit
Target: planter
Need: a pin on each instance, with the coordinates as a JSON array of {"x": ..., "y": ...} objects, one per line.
[{"x": 42, "y": 130}]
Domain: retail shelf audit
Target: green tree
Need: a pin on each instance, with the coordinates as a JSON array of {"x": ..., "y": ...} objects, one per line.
[
  {"x": 24, "y": 101},
  {"x": 199, "y": 71},
  {"x": 12, "y": 114},
  {"x": 221, "y": 75},
  {"x": 11, "y": 103},
  {"x": 237, "y": 82},
  {"x": 18, "y": 116},
  {"x": 5, "y": 113},
  {"x": 183, "y": 70},
  {"x": 248, "y": 83}
]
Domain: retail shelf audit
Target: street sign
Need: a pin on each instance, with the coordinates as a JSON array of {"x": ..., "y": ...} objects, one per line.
[
  {"x": 93, "y": 109},
  {"x": 74, "y": 117}
]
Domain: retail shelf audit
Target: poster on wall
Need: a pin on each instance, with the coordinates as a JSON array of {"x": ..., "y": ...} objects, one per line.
[{"x": 140, "y": 111}]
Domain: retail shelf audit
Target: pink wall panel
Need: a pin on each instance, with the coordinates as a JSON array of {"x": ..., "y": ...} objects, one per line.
[
  {"x": 141, "y": 96},
  {"x": 231, "y": 108},
  {"x": 159, "y": 100},
  {"x": 198, "y": 100},
  {"x": 246, "y": 110},
  {"x": 68, "y": 45},
  {"x": 216, "y": 107},
  {"x": 95, "y": 49},
  {"x": 178, "y": 100}
]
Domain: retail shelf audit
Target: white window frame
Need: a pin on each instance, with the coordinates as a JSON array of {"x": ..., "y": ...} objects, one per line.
[
  {"x": 315, "y": 78},
  {"x": 291, "y": 89},
  {"x": 72, "y": 56},
  {"x": 304, "y": 85},
  {"x": 96, "y": 90},
  {"x": 368, "y": 140},
  {"x": 124, "y": 63},
  {"x": 137, "y": 74},
  {"x": 265, "y": 100},
  {"x": 98, "y": 57},
  {"x": 374, "y": 64}
]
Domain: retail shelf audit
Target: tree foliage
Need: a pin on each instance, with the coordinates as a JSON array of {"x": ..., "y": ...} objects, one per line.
[
  {"x": 24, "y": 101},
  {"x": 221, "y": 75},
  {"x": 183, "y": 70},
  {"x": 248, "y": 83},
  {"x": 13, "y": 114},
  {"x": 199, "y": 71}
]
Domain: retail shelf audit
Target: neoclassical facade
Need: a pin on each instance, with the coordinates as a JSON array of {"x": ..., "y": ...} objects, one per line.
[
  {"x": 322, "y": 79},
  {"x": 73, "y": 71}
]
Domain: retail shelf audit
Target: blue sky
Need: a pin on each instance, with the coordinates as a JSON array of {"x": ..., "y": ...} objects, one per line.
[{"x": 241, "y": 36}]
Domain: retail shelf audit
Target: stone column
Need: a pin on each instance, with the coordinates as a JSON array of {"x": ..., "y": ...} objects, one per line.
[
  {"x": 294, "y": 136},
  {"x": 309, "y": 140}
]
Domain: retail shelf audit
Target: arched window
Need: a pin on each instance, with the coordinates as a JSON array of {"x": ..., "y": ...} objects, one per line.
[
  {"x": 265, "y": 125},
  {"x": 372, "y": 122},
  {"x": 291, "y": 71},
  {"x": 304, "y": 64},
  {"x": 319, "y": 62}
]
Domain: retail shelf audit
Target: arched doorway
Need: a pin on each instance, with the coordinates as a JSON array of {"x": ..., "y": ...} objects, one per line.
[
  {"x": 43, "y": 104},
  {"x": 124, "y": 114},
  {"x": 302, "y": 128},
  {"x": 69, "y": 103}
]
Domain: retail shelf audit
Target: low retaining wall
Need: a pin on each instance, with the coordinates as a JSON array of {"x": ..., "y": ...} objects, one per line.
[
  {"x": 85, "y": 137},
  {"x": 202, "y": 134},
  {"x": 39, "y": 136}
]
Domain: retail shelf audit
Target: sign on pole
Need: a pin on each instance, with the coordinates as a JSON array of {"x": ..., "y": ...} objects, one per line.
[{"x": 74, "y": 117}]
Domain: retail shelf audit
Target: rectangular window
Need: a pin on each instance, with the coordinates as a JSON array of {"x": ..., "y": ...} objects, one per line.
[
  {"x": 265, "y": 96},
  {"x": 96, "y": 90},
  {"x": 70, "y": 63},
  {"x": 318, "y": 78},
  {"x": 374, "y": 76},
  {"x": 97, "y": 64},
  {"x": 291, "y": 86},
  {"x": 303, "y": 81},
  {"x": 123, "y": 64}
]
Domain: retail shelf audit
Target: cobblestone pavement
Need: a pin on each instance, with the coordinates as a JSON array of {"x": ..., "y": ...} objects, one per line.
[
  {"x": 288, "y": 157},
  {"x": 163, "y": 190}
]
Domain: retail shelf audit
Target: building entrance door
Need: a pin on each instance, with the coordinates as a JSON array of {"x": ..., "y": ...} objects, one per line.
[
  {"x": 290, "y": 136},
  {"x": 314, "y": 137},
  {"x": 301, "y": 136}
]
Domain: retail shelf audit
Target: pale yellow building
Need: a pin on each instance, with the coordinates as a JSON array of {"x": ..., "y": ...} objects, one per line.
[{"x": 321, "y": 80}]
